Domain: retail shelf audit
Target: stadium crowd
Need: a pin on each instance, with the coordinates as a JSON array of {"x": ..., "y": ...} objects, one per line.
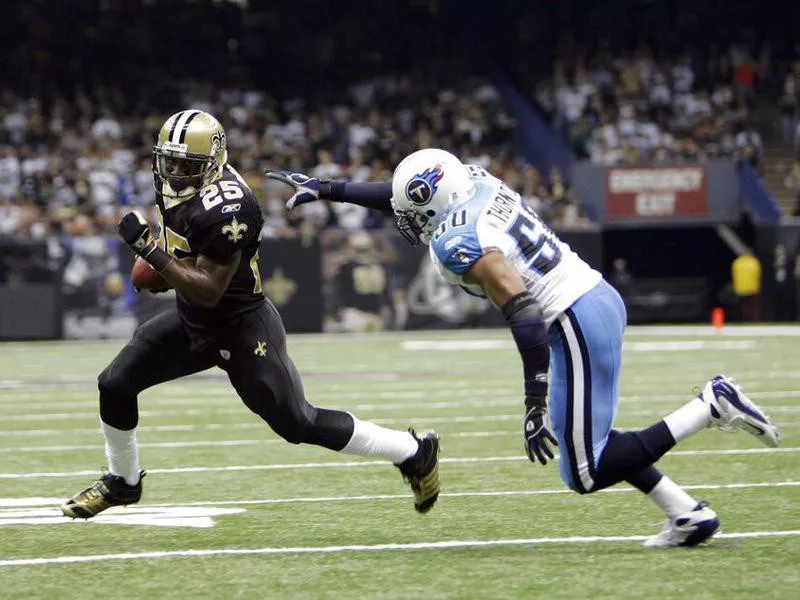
[
  {"x": 75, "y": 136},
  {"x": 72, "y": 167},
  {"x": 644, "y": 106}
]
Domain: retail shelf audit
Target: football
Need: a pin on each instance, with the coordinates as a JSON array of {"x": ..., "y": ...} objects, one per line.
[{"x": 145, "y": 277}]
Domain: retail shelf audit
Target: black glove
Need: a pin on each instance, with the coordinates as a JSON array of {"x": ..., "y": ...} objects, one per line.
[
  {"x": 537, "y": 435},
  {"x": 133, "y": 228}
]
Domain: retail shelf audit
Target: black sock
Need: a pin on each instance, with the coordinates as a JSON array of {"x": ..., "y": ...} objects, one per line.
[
  {"x": 646, "y": 479},
  {"x": 626, "y": 454}
]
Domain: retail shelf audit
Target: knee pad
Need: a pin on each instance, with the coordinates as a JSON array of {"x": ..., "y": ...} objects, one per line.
[{"x": 118, "y": 406}]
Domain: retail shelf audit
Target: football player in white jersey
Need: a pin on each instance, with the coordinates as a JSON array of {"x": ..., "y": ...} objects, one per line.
[{"x": 563, "y": 316}]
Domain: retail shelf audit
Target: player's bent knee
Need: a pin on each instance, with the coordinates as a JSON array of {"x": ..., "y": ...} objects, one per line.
[
  {"x": 117, "y": 401},
  {"x": 576, "y": 487},
  {"x": 111, "y": 386}
]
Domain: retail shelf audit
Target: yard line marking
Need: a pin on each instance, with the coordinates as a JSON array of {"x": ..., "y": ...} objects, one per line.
[
  {"x": 249, "y": 442},
  {"x": 227, "y": 403},
  {"x": 431, "y": 420},
  {"x": 442, "y": 545},
  {"x": 465, "y": 494},
  {"x": 707, "y": 331},
  {"x": 460, "y": 345},
  {"x": 240, "y": 409},
  {"x": 162, "y": 445},
  {"x": 210, "y": 443},
  {"x": 9, "y": 505},
  {"x": 374, "y": 463}
]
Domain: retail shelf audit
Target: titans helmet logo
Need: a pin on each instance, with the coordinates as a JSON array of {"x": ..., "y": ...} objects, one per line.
[{"x": 422, "y": 187}]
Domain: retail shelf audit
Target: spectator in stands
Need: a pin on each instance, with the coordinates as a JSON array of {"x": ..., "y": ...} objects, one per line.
[
  {"x": 789, "y": 103},
  {"x": 749, "y": 145},
  {"x": 745, "y": 76},
  {"x": 796, "y": 280},
  {"x": 783, "y": 285}
]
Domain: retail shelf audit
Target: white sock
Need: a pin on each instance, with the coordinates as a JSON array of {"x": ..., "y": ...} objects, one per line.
[
  {"x": 373, "y": 440},
  {"x": 688, "y": 419},
  {"x": 671, "y": 498},
  {"x": 122, "y": 452}
]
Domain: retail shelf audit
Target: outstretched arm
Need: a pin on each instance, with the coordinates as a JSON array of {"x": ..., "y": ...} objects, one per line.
[
  {"x": 504, "y": 287},
  {"x": 374, "y": 195}
]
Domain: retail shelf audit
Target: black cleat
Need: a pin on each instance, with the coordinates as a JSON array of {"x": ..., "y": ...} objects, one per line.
[
  {"x": 110, "y": 490},
  {"x": 421, "y": 471}
]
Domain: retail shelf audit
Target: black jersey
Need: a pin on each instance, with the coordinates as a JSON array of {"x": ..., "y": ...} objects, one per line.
[
  {"x": 223, "y": 218},
  {"x": 362, "y": 285}
]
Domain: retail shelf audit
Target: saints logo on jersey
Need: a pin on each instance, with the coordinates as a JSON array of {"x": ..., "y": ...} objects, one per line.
[{"x": 234, "y": 230}]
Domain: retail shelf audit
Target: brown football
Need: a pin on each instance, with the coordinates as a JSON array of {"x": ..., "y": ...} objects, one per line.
[{"x": 145, "y": 277}]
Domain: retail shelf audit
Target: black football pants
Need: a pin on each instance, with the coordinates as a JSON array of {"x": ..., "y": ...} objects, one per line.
[{"x": 251, "y": 350}]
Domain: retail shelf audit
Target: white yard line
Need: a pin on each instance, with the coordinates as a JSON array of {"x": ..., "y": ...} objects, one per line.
[
  {"x": 465, "y": 494},
  {"x": 441, "y": 545},
  {"x": 238, "y": 408},
  {"x": 9, "y": 505},
  {"x": 228, "y": 403},
  {"x": 430, "y": 420},
  {"x": 228, "y": 443},
  {"x": 374, "y": 463}
]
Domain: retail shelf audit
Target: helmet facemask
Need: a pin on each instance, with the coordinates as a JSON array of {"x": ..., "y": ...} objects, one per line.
[
  {"x": 185, "y": 173},
  {"x": 413, "y": 226}
]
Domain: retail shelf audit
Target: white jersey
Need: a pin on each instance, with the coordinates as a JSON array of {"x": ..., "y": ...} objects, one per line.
[{"x": 496, "y": 218}]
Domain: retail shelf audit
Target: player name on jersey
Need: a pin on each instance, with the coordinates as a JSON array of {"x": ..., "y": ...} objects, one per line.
[{"x": 504, "y": 205}]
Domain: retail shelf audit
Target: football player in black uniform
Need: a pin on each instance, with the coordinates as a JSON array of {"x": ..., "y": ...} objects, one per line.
[
  {"x": 361, "y": 286},
  {"x": 210, "y": 229}
]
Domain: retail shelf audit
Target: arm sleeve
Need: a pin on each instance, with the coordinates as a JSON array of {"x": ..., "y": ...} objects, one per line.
[{"x": 374, "y": 195}]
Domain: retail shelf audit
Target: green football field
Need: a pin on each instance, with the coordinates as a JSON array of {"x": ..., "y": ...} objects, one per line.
[{"x": 231, "y": 511}]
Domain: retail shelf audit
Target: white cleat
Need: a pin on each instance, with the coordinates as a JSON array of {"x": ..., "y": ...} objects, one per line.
[
  {"x": 689, "y": 529},
  {"x": 730, "y": 409}
]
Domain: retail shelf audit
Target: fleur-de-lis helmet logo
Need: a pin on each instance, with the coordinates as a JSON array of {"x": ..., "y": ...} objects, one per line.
[{"x": 217, "y": 141}]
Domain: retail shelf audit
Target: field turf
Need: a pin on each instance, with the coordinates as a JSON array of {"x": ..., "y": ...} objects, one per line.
[{"x": 232, "y": 511}]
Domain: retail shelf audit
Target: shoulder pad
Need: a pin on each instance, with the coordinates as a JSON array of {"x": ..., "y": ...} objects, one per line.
[{"x": 455, "y": 244}]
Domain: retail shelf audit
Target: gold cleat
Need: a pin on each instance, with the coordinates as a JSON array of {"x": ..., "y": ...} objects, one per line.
[
  {"x": 421, "y": 471},
  {"x": 110, "y": 490}
]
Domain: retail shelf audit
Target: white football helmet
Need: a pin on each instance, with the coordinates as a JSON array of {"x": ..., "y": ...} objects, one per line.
[{"x": 425, "y": 185}]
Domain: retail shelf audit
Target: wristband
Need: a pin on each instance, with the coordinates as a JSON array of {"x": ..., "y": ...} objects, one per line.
[
  {"x": 158, "y": 259},
  {"x": 536, "y": 401},
  {"x": 325, "y": 190}
]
